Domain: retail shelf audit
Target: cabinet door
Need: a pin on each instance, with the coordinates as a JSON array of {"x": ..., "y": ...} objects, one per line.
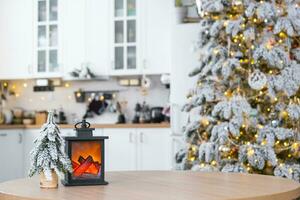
[
  {"x": 11, "y": 154},
  {"x": 121, "y": 151},
  {"x": 156, "y": 33},
  {"x": 96, "y": 41},
  {"x": 86, "y": 32},
  {"x": 29, "y": 136},
  {"x": 47, "y": 38},
  {"x": 16, "y": 39},
  {"x": 154, "y": 149},
  {"x": 125, "y": 40}
]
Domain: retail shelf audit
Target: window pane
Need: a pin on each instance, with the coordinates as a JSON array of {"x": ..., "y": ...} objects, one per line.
[
  {"x": 119, "y": 8},
  {"x": 119, "y": 32},
  {"x": 53, "y": 10},
  {"x": 53, "y": 64},
  {"x": 41, "y": 36},
  {"x": 53, "y": 35},
  {"x": 41, "y": 61},
  {"x": 41, "y": 11},
  {"x": 131, "y": 8},
  {"x": 119, "y": 57},
  {"x": 131, "y": 31},
  {"x": 131, "y": 57}
]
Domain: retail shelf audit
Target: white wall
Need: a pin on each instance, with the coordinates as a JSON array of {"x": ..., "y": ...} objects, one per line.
[
  {"x": 64, "y": 97},
  {"x": 184, "y": 60}
]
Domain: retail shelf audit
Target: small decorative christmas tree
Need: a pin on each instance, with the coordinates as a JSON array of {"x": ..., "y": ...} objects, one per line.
[
  {"x": 245, "y": 108},
  {"x": 48, "y": 155}
]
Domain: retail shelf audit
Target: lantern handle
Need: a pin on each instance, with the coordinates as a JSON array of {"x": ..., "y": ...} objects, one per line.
[{"x": 84, "y": 124}]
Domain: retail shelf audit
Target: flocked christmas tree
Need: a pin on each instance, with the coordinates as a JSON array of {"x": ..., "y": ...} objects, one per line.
[
  {"x": 48, "y": 153},
  {"x": 245, "y": 109}
]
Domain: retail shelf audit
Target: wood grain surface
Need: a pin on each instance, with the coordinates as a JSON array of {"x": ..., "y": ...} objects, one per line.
[{"x": 158, "y": 185}]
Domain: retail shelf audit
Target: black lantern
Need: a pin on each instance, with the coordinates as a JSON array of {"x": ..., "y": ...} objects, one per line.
[{"x": 87, "y": 155}]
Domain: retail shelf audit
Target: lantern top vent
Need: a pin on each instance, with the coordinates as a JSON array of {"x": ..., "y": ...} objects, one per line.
[{"x": 83, "y": 129}]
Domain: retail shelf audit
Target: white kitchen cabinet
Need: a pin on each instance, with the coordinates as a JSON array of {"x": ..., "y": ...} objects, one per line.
[
  {"x": 47, "y": 38},
  {"x": 156, "y": 33},
  {"x": 125, "y": 25},
  {"x": 140, "y": 37},
  {"x": 86, "y": 31},
  {"x": 29, "y": 136},
  {"x": 138, "y": 149},
  {"x": 11, "y": 143},
  {"x": 121, "y": 149},
  {"x": 154, "y": 149},
  {"x": 16, "y": 39}
]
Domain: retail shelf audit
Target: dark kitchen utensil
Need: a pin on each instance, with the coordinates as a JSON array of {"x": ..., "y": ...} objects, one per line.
[{"x": 157, "y": 115}]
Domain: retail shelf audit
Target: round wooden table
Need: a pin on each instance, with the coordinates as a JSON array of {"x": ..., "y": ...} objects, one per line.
[{"x": 175, "y": 185}]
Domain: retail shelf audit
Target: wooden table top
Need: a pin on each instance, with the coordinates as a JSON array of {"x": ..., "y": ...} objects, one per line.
[{"x": 175, "y": 185}]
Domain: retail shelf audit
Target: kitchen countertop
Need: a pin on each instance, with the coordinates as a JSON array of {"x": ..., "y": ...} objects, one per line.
[{"x": 67, "y": 126}]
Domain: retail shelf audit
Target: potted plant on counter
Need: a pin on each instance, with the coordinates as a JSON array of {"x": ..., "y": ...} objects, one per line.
[{"x": 47, "y": 157}]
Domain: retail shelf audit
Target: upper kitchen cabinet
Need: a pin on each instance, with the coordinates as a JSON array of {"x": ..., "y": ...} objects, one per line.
[
  {"x": 47, "y": 37},
  {"x": 156, "y": 31},
  {"x": 16, "y": 39},
  {"x": 140, "y": 37},
  {"x": 86, "y": 36},
  {"x": 125, "y": 41}
]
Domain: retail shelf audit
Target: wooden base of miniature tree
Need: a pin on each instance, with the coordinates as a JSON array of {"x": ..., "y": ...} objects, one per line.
[{"x": 49, "y": 184}]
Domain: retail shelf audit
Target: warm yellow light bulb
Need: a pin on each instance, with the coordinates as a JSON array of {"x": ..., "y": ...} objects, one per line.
[
  {"x": 67, "y": 85},
  {"x": 225, "y": 23},
  {"x": 250, "y": 152}
]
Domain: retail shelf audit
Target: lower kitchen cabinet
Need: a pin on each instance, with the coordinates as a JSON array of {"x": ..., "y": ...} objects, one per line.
[
  {"x": 121, "y": 149},
  {"x": 126, "y": 149},
  {"x": 154, "y": 149},
  {"x": 11, "y": 154},
  {"x": 29, "y": 136},
  {"x": 138, "y": 149}
]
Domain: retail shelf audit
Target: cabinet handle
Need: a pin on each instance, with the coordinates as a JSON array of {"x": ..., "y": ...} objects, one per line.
[
  {"x": 112, "y": 63},
  {"x": 142, "y": 137},
  {"x": 29, "y": 69},
  {"x": 145, "y": 64},
  {"x": 3, "y": 135},
  {"x": 20, "y": 138},
  {"x": 130, "y": 138}
]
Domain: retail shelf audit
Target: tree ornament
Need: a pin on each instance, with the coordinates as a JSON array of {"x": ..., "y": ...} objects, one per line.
[
  {"x": 257, "y": 80},
  {"x": 48, "y": 157},
  {"x": 274, "y": 123}
]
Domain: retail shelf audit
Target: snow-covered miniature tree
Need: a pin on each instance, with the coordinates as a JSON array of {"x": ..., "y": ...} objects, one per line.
[
  {"x": 245, "y": 109},
  {"x": 48, "y": 153}
]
